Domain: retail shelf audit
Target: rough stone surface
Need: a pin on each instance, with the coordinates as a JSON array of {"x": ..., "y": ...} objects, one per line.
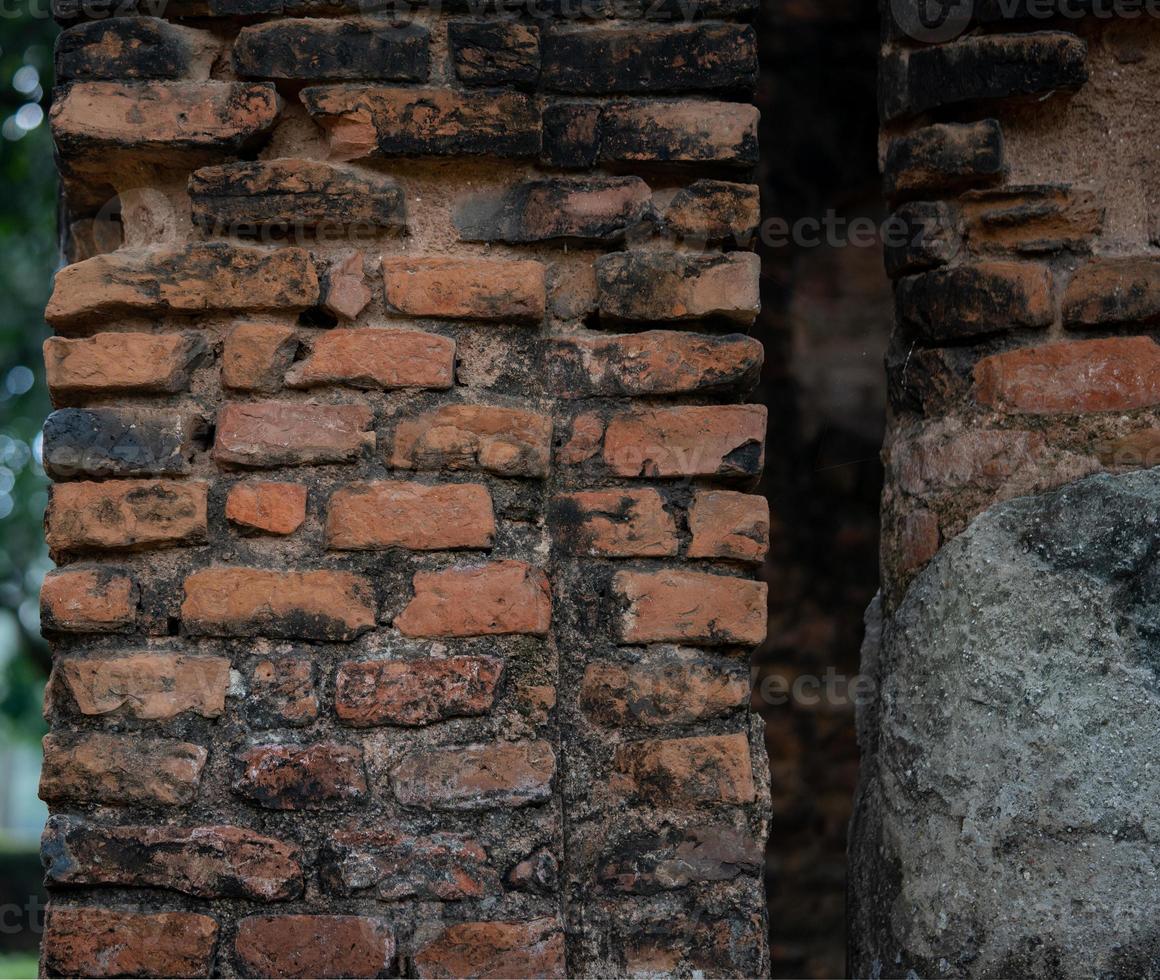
[{"x": 1032, "y": 680}]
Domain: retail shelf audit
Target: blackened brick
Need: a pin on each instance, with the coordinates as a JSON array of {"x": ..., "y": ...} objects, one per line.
[
  {"x": 495, "y": 52},
  {"x": 944, "y": 157},
  {"x": 311, "y": 49},
  {"x": 101, "y": 442}
]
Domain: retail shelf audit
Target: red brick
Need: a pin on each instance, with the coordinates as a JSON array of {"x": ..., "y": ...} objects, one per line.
[
  {"x": 918, "y": 538},
  {"x": 125, "y": 362},
  {"x": 206, "y": 862},
  {"x": 714, "y": 210},
  {"x": 415, "y": 692},
  {"x": 648, "y": 863},
  {"x": 538, "y": 872},
  {"x": 490, "y": 600},
  {"x": 120, "y": 769},
  {"x": 88, "y": 600},
  {"x": 686, "y": 771},
  {"x": 314, "y": 605},
  {"x": 584, "y": 440},
  {"x": 1115, "y": 374},
  {"x": 395, "y": 866},
  {"x": 1107, "y": 291},
  {"x": 495, "y": 949},
  {"x": 161, "y": 115},
  {"x": 149, "y": 686},
  {"x": 505, "y": 441},
  {"x": 183, "y": 279},
  {"x": 361, "y": 121},
  {"x": 719, "y": 440},
  {"x": 276, "y": 508},
  {"x": 654, "y": 362},
  {"x": 293, "y": 777},
  {"x": 614, "y": 524},
  {"x": 679, "y": 286},
  {"x": 473, "y": 289},
  {"x": 103, "y": 942},
  {"x": 376, "y": 358},
  {"x": 259, "y": 434},
  {"x": 347, "y": 293},
  {"x": 384, "y": 514},
  {"x": 690, "y": 607},
  {"x": 256, "y": 355},
  {"x": 678, "y": 131},
  {"x": 131, "y": 514},
  {"x": 320, "y": 946},
  {"x": 677, "y": 689},
  {"x": 936, "y": 460},
  {"x": 729, "y": 525},
  {"x": 282, "y": 692},
  {"x": 476, "y": 777}
]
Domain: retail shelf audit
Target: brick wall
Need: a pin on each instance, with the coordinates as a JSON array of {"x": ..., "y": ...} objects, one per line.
[
  {"x": 1024, "y": 359},
  {"x": 402, "y": 507}
]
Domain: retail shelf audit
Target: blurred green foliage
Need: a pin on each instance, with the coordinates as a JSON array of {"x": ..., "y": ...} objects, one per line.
[{"x": 28, "y": 255}]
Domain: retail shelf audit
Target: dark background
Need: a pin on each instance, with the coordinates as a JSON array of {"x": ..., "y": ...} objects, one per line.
[{"x": 824, "y": 323}]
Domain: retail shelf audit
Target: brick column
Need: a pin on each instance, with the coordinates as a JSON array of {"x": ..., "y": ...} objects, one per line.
[
  {"x": 401, "y": 456},
  {"x": 1003, "y": 825}
]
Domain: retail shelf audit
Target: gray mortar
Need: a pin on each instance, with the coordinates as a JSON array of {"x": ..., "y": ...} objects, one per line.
[{"x": 1007, "y": 823}]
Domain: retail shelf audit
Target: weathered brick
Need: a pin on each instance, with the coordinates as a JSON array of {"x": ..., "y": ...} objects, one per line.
[
  {"x": 255, "y": 356},
  {"x": 415, "y": 692},
  {"x": 676, "y": 689},
  {"x": 264, "y": 434},
  {"x": 726, "y": 524},
  {"x": 1032, "y": 218},
  {"x": 917, "y": 538},
  {"x": 597, "y": 209},
  {"x": 295, "y": 777},
  {"x": 132, "y": 514},
  {"x": 921, "y": 235},
  {"x": 495, "y": 949},
  {"x": 1116, "y": 374},
  {"x": 686, "y": 771},
  {"x": 375, "y": 358},
  {"x": 591, "y": 60},
  {"x": 714, "y": 211},
  {"x": 490, "y": 600},
  {"x": 295, "y": 193},
  {"x": 652, "y": 362},
  {"x": 161, "y": 115},
  {"x": 670, "y": 131},
  {"x": 273, "y": 508},
  {"x": 690, "y": 607},
  {"x": 976, "y": 299},
  {"x": 944, "y": 157},
  {"x": 936, "y": 461},
  {"x": 472, "y": 289},
  {"x": 395, "y": 866},
  {"x": 206, "y": 862},
  {"x": 385, "y": 514},
  {"x": 120, "y": 48},
  {"x": 94, "y": 599},
  {"x": 614, "y": 524},
  {"x": 320, "y": 946},
  {"x": 318, "y": 605},
  {"x": 149, "y": 686},
  {"x": 584, "y": 439},
  {"x": 649, "y": 863},
  {"x": 183, "y": 279},
  {"x": 282, "y": 691},
  {"x": 994, "y": 66},
  {"x": 120, "y": 769},
  {"x": 679, "y": 286},
  {"x": 1108, "y": 291},
  {"x": 104, "y": 942},
  {"x": 476, "y": 777},
  {"x": 505, "y": 441},
  {"x": 314, "y": 49},
  {"x": 694, "y": 945},
  {"x": 503, "y": 52},
  {"x": 538, "y": 872},
  {"x": 102, "y": 442},
  {"x": 571, "y": 134},
  {"x": 346, "y": 291},
  {"x": 365, "y": 121},
  {"x": 120, "y": 362},
  {"x": 724, "y": 440}
]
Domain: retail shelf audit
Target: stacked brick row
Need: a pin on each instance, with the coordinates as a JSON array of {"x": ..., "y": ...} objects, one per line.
[
  {"x": 1026, "y": 295},
  {"x": 401, "y": 455}
]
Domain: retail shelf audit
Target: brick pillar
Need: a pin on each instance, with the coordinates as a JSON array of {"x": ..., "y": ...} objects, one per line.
[
  {"x": 1004, "y": 820},
  {"x": 402, "y": 453}
]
